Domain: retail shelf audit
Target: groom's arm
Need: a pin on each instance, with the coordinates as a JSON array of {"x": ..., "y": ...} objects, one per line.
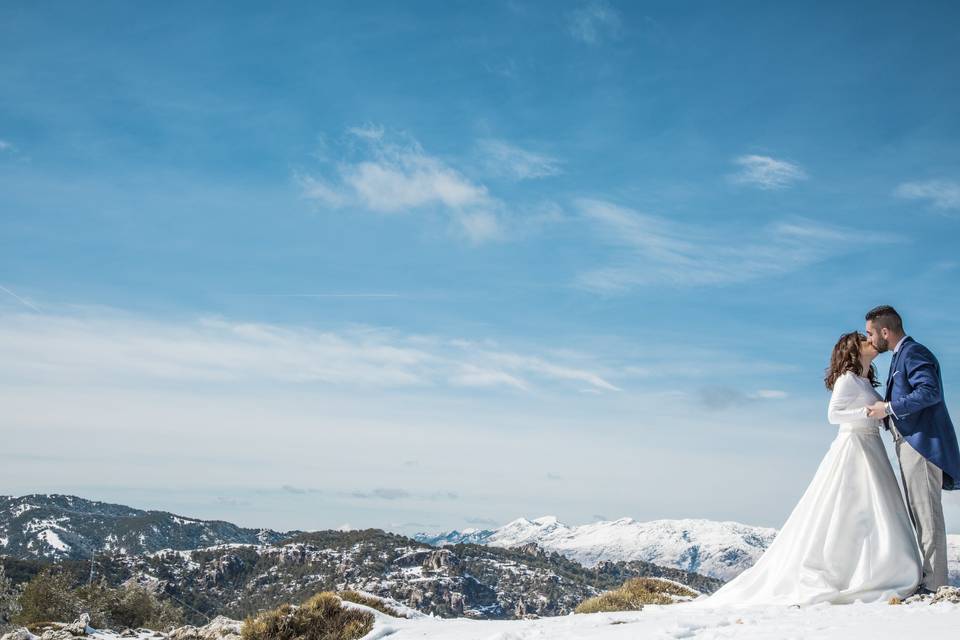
[{"x": 922, "y": 372}]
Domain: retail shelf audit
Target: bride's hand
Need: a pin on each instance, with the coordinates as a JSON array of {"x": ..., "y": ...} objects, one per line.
[{"x": 877, "y": 410}]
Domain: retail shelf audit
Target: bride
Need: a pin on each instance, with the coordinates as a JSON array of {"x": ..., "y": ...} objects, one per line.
[{"x": 849, "y": 538}]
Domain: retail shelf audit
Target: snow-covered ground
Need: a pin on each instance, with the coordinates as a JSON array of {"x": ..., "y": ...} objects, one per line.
[{"x": 873, "y": 621}]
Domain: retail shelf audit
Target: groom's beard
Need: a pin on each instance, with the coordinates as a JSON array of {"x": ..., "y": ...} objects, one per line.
[{"x": 883, "y": 345}]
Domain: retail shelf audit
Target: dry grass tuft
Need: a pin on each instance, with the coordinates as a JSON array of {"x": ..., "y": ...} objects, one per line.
[
  {"x": 373, "y": 603},
  {"x": 322, "y": 617},
  {"x": 635, "y": 593}
]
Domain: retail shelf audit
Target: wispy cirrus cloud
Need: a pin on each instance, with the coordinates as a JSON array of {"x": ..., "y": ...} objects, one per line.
[
  {"x": 382, "y": 494},
  {"x": 660, "y": 251},
  {"x": 595, "y": 22},
  {"x": 394, "y": 493},
  {"x": 287, "y": 488},
  {"x": 393, "y": 174},
  {"x": 19, "y": 299},
  {"x": 378, "y": 493},
  {"x": 767, "y": 173},
  {"x": 721, "y": 397},
  {"x": 52, "y": 349},
  {"x": 474, "y": 376},
  {"x": 12, "y": 152},
  {"x": 231, "y": 501},
  {"x": 942, "y": 194},
  {"x": 510, "y": 161}
]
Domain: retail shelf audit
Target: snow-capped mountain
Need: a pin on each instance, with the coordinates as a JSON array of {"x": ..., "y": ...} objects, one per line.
[
  {"x": 716, "y": 549},
  {"x": 55, "y": 527}
]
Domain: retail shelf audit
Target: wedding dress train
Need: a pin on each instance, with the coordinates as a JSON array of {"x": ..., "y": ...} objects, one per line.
[{"x": 850, "y": 537}]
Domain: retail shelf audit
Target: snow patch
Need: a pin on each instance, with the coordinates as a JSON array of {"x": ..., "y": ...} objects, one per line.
[
  {"x": 52, "y": 539},
  {"x": 21, "y": 509},
  {"x": 36, "y": 524}
]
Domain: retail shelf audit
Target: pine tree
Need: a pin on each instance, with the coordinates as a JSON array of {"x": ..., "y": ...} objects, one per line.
[
  {"x": 48, "y": 597},
  {"x": 9, "y": 599}
]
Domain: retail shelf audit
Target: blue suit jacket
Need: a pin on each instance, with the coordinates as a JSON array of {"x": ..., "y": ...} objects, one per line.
[{"x": 915, "y": 393}]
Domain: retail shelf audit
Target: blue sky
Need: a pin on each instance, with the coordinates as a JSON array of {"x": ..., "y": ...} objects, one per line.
[{"x": 442, "y": 264}]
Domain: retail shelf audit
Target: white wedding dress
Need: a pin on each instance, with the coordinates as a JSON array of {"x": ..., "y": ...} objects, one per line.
[{"x": 850, "y": 537}]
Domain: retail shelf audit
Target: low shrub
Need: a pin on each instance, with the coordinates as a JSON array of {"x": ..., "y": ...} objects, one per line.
[
  {"x": 133, "y": 607},
  {"x": 635, "y": 593},
  {"x": 48, "y": 596},
  {"x": 322, "y": 617}
]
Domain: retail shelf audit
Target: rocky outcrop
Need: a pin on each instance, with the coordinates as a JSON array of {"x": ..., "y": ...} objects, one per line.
[
  {"x": 220, "y": 628},
  {"x": 80, "y": 626},
  {"x": 441, "y": 560},
  {"x": 943, "y": 594},
  {"x": 19, "y": 634}
]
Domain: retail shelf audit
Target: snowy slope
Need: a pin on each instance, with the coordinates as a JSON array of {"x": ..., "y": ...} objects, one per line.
[
  {"x": 876, "y": 621},
  {"x": 716, "y": 549}
]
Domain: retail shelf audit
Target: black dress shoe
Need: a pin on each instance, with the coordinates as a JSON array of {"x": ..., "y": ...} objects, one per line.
[{"x": 923, "y": 591}]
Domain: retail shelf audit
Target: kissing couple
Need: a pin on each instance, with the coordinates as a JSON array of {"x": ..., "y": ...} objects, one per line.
[{"x": 853, "y": 536}]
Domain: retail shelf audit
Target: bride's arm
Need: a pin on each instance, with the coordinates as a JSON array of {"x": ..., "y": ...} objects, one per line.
[{"x": 845, "y": 403}]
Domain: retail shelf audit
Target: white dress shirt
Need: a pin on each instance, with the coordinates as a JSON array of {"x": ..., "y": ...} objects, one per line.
[{"x": 895, "y": 349}]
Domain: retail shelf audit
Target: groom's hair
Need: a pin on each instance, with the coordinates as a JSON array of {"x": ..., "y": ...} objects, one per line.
[{"x": 886, "y": 317}]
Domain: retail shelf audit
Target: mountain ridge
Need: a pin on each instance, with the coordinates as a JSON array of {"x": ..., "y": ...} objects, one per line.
[
  {"x": 718, "y": 549},
  {"x": 60, "y": 526},
  {"x": 240, "y": 578}
]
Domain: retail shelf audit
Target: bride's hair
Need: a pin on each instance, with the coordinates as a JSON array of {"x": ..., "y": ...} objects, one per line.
[{"x": 846, "y": 357}]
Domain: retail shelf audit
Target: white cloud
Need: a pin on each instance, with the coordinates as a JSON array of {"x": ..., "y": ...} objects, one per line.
[
  {"x": 594, "y": 22},
  {"x": 504, "y": 159},
  {"x": 411, "y": 180},
  {"x": 532, "y": 364},
  {"x": 663, "y": 252},
  {"x": 320, "y": 190},
  {"x": 765, "y": 172},
  {"x": 943, "y": 194},
  {"x": 6, "y": 146},
  {"x": 474, "y": 376},
  {"x": 111, "y": 348},
  {"x": 399, "y": 176},
  {"x": 723, "y": 397},
  {"x": 479, "y": 226},
  {"x": 768, "y": 394}
]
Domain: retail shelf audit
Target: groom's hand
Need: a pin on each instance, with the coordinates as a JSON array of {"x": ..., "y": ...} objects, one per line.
[{"x": 877, "y": 410}]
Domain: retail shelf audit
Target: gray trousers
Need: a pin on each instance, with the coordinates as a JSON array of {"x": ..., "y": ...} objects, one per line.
[{"x": 922, "y": 483}]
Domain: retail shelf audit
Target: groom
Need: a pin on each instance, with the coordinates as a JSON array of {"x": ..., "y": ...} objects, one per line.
[{"x": 923, "y": 435}]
